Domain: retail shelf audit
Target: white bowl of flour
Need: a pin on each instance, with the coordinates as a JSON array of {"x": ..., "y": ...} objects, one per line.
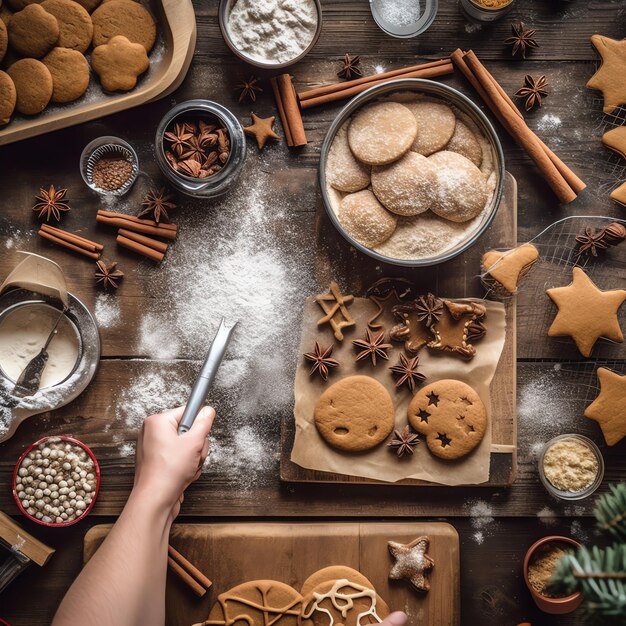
[{"x": 270, "y": 33}]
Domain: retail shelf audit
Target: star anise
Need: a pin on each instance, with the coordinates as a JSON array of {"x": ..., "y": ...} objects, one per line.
[
  {"x": 321, "y": 359},
  {"x": 407, "y": 373},
  {"x": 179, "y": 137},
  {"x": 189, "y": 167},
  {"x": 521, "y": 40},
  {"x": 533, "y": 90},
  {"x": 248, "y": 89},
  {"x": 108, "y": 276},
  {"x": 193, "y": 150},
  {"x": 591, "y": 241},
  {"x": 373, "y": 346},
  {"x": 350, "y": 67},
  {"x": 51, "y": 203},
  {"x": 404, "y": 442},
  {"x": 429, "y": 309},
  {"x": 156, "y": 204}
]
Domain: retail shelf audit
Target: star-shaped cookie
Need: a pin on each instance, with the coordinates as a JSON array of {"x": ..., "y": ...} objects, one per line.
[
  {"x": 411, "y": 562},
  {"x": 609, "y": 408},
  {"x": 609, "y": 79},
  {"x": 261, "y": 129},
  {"x": 585, "y": 313}
]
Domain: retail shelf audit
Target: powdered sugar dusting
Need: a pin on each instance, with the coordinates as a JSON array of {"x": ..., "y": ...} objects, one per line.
[
  {"x": 481, "y": 517},
  {"x": 549, "y": 123},
  {"x": 547, "y": 516},
  {"x": 107, "y": 310}
]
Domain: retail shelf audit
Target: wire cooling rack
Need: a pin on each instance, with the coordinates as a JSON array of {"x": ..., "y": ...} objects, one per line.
[{"x": 614, "y": 164}]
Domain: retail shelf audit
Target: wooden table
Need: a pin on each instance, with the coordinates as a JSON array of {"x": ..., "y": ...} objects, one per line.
[{"x": 491, "y": 552}]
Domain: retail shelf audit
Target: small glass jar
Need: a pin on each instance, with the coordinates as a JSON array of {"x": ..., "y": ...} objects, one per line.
[
  {"x": 476, "y": 10},
  {"x": 220, "y": 182},
  {"x": 108, "y": 147},
  {"x": 572, "y": 495}
]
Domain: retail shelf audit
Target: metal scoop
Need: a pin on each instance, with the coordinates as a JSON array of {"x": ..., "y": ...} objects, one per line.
[
  {"x": 404, "y": 18},
  {"x": 30, "y": 379}
]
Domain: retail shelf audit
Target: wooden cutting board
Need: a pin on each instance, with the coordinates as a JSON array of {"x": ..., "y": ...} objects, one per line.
[{"x": 230, "y": 554}]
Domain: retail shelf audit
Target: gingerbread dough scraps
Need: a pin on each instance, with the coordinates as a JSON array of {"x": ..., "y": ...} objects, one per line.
[
  {"x": 335, "y": 306},
  {"x": 381, "y": 132},
  {"x": 435, "y": 125},
  {"x": 586, "y": 313},
  {"x": 343, "y": 171},
  {"x": 503, "y": 271},
  {"x": 355, "y": 414},
  {"x": 452, "y": 417},
  {"x": 385, "y": 293},
  {"x": 609, "y": 408},
  {"x": 365, "y": 219},
  {"x": 609, "y": 79},
  {"x": 458, "y": 327},
  {"x": 412, "y": 563}
]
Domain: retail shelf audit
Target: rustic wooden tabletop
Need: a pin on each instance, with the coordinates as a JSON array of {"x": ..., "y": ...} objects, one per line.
[{"x": 152, "y": 329}]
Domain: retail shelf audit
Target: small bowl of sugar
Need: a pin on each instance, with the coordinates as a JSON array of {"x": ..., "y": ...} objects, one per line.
[{"x": 270, "y": 34}]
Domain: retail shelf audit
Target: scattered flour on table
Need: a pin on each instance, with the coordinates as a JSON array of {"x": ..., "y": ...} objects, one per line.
[
  {"x": 379, "y": 69},
  {"x": 479, "y": 537},
  {"x": 578, "y": 532},
  {"x": 549, "y": 123},
  {"x": 472, "y": 27},
  {"x": 127, "y": 449},
  {"x": 156, "y": 338},
  {"x": 547, "y": 516},
  {"x": 481, "y": 518},
  {"x": 107, "y": 310}
]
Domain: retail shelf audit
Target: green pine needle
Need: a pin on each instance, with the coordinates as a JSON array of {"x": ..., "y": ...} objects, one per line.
[{"x": 610, "y": 511}]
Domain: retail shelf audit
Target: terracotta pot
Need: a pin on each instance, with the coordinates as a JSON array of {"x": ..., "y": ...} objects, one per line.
[{"x": 553, "y": 606}]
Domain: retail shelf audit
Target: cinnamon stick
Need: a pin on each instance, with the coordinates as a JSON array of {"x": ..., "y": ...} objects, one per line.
[
  {"x": 136, "y": 227},
  {"x": 69, "y": 246},
  {"x": 189, "y": 567},
  {"x": 146, "y": 241},
  {"x": 139, "y": 248},
  {"x": 194, "y": 585},
  {"x": 77, "y": 240},
  {"x": 281, "y": 112},
  {"x": 342, "y": 93},
  {"x": 138, "y": 220},
  {"x": 288, "y": 109}
]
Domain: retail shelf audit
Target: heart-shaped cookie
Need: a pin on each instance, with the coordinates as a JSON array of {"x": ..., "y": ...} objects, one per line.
[{"x": 502, "y": 271}]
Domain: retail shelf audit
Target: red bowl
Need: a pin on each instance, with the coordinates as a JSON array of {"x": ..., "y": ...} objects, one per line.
[{"x": 80, "y": 444}]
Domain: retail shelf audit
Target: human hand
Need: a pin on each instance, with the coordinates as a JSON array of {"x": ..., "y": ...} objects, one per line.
[
  {"x": 397, "y": 618},
  {"x": 167, "y": 463}
]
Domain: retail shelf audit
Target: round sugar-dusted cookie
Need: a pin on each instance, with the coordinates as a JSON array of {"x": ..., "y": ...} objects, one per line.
[
  {"x": 70, "y": 74},
  {"x": 4, "y": 40},
  {"x": 33, "y": 84},
  {"x": 8, "y": 97},
  {"x": 462, "y": 189},
  {"x": 75, "y": 26},
  {"x": 381, "y": 132},
  {"x": 365, "y": 218},
  {"x": 343, "y": 601},
  {"x": 123, "y": 17},
  {"x": 407, "y": 186},
  {"x": 334, "y": 572},
  {"x": 464, "y": 142},
  {"x": 452, "y": 417},
  {"x": 33, "y": 31},
  {"x": 355, "y": 414},
  {"x": 435, "y": 125},
  {"x": 257, "y": 603},
  {"x": 343, "y": 171}
]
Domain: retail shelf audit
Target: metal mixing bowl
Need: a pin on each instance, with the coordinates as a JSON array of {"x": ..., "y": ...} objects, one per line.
[{"x": 464, "y": 105}]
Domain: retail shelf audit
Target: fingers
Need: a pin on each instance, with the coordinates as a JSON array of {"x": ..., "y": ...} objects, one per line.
[
  {"x": 397, "y": 618},
  {"x": 203, "y": 423},
  {"x": 173, "y": 415}
]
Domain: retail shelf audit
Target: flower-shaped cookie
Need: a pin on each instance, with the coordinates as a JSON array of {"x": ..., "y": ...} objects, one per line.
[{"x": 119, "y": 63}]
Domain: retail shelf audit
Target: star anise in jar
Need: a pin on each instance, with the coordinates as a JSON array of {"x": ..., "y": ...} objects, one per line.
[
  {"x": 156, "y": 204},
  {"x": 521, "y": 40},
  {"x": 179, "y": 138},
  {"x": 322, "y": 360},
  {"x": 404, "y": 441},
  {"x": 51, "y": 203},
  {"x": 533, "y": 90},
  {"x": 373, "y": 346},
  {"x": 108, "y": 276}
]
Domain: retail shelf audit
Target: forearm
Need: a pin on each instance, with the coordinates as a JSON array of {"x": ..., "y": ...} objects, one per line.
[{"x": 124, "y": 582}]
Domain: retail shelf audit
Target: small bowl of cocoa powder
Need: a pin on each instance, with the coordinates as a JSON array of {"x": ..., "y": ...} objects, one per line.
[{"x": 109, "y": 166}]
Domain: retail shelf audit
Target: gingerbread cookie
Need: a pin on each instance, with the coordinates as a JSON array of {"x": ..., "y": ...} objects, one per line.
[
  {"x": 262, "y": 129},
  {"x": 619, "y": 194},
  {"x": 18, "y": 5},
  {"x": 75, "y": 26},
  {"x": 335, "y": 306},
  {"x": 33, "y": 31},
  {"x": 126, "y": 18},
  {"x": 412, "y": 563},
  {"x": 8, "y": 98},
  {"x": 343, "y": 602},
  {"x": 5, "y": 16},
  {"x": 615, "y": 139},
  {"x": 585, "y": 313},
  {"x": 343, "y": 171},
  {"x": 609, "y": 79},
  {"x": 119, "y": 63},
  {"x": 406, "y": 186},
  {"x": 33, "y": 84},
  {"x": 435, "y": 125},
  {"x": 461, "y": 192},
  {"x": 256, "y": 603},
  {"x": 609, "y": 408},
  {"x": 333, "y": 573},
  {"x": 4, "y": 40},
  {"x": 355, "y": 414},
  {"x": 458, "y": 327},
  {"x": 451, "y": 416},
  {"x": 70, "y": 74},
  {"x": 381, "y": 132},
  {"x": 502, "y": 271},
  {"x": 89, "y": 5},
  {"x": 464, "y": 142},
  {"x": 365, "y": 219}
]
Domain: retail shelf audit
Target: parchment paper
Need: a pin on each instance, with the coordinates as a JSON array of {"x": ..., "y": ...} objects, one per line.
[{"x": 381, "y": 463}]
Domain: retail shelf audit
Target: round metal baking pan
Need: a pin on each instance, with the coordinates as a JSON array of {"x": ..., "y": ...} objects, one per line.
[
  {"x": 463, "y": 104},
  {"x": 15, "y": 410}
]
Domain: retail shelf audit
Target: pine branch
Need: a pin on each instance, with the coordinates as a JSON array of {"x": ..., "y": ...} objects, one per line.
[{"x": 610, "y": 511}]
